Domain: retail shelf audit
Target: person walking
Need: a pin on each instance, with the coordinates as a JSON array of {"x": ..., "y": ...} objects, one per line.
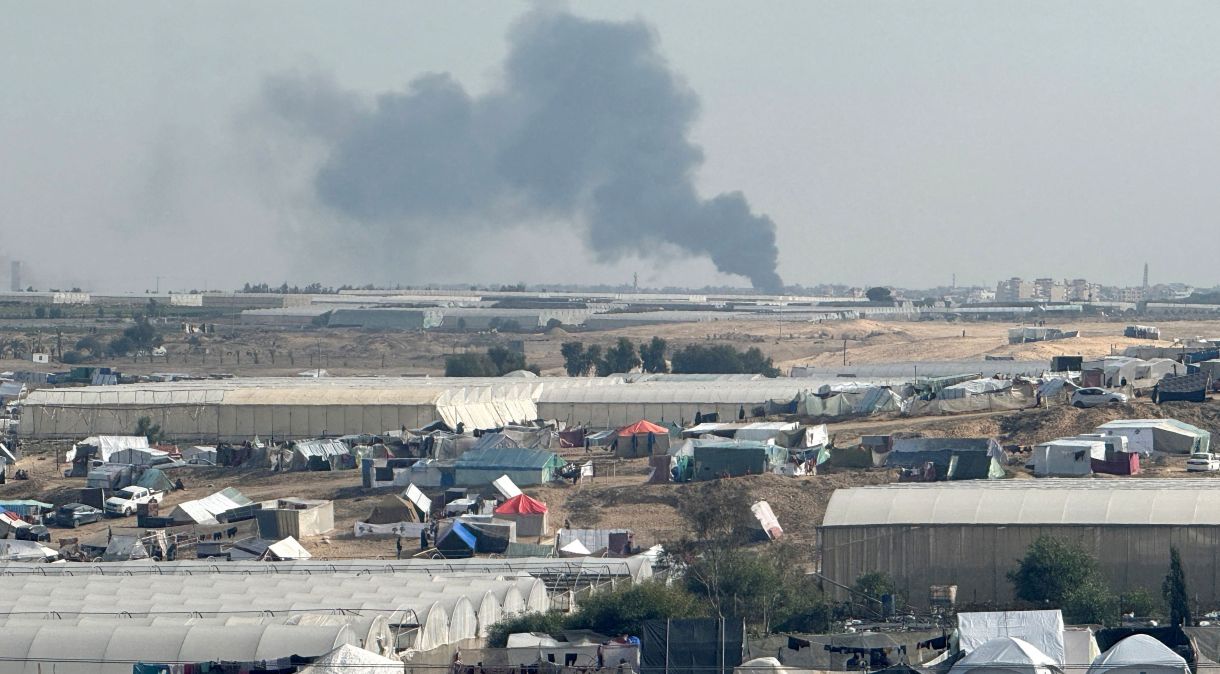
[{"x": 398, "y": 547}]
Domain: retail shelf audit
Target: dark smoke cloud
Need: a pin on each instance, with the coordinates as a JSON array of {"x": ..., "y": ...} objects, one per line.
[{"x": 589, "y": 125}]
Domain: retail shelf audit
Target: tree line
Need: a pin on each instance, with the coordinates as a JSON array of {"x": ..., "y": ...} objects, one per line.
[{"x": 624, "y": 356}]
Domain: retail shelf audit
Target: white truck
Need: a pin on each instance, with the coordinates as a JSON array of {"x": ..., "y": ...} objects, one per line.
[{"x": 126, "y": 500}]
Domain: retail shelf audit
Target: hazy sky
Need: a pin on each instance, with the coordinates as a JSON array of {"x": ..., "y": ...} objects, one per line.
[{"x": 889, "y": 142}]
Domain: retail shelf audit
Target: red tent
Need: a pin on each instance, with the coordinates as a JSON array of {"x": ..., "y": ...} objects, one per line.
[
  {"x": 643, "y": 426},
  {"x": 521, "y": 505}
]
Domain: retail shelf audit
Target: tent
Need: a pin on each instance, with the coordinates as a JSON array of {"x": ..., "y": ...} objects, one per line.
[
  {"x": 574, "y": 549},
  {"x": 525, "y": 467},
  {"x": 1145, "y": 436},
  {"x": 530, "y": 514},
  {"x": 953, "y": 458},
  {"x": 643, "y": 438},
  {"x": 457, "y": 542},
  {"x": 349, "y": 659},
  {"x": 1139, "y": 654},
  {"x": 155, "y": 479},
  {"x": 1067, "y": 458},
  {"x": 491, "y": 535},
  {"x": 286, "y": 549},
  {"x": 1043, "y": 629},
  {"x": 1006, "y": 655},
  {"x": 392, "y": 509},
  {"x": 720, "y": 458}
]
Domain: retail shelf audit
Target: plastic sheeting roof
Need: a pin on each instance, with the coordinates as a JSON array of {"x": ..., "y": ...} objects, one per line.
[
  {"x": 1184, "y": 502},
  {"x": 1139, "y": 651}
]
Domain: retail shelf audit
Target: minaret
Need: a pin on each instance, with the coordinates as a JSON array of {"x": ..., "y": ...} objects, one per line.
[{"x": 1145, "y": 276}]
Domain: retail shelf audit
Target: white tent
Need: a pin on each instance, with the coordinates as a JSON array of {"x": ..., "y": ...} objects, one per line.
[
  {"x": 1139, "y": 654},
  {"x": 1006, "y": 655},
  {"x": 349, "y": 659},
  {"x": 1067, "y": 458},
  {"x": 1043, "y": 629},
  {"x": 574, "y": 549}
]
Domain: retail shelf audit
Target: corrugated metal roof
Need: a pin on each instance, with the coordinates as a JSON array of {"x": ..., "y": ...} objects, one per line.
[{"x": 1033, "y": 502}]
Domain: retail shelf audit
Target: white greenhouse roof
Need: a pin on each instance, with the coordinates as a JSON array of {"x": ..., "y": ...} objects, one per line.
[{"x": 1186, "y": 502}]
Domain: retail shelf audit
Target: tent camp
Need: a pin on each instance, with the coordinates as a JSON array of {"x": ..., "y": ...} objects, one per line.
[
  {"x": 525, "y": 467},
  {"x": 1139, "y": 654},
  {"x": 530, "y": 514},
  {"x": 1006, "y": 655},
  {"x": 952, "y": 458},
  {"x": 643, "y": 438},
  {"x": 321, "y": 455}
]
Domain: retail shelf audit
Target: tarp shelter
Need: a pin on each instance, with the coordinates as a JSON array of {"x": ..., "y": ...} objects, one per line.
[
  {"x": 200, "y": 454},
  {"x": 419, "y": 500},
  {"x": 321, "y": 455},
  {"x": 1068, "y": 457},
  {"x": 643, "y": 438},
  {"x": 286, "y": 549},
  {"x": 295, "y": 518},
  {"x": 457, "y": 541},
  {"x": 731, "y": 458},
  {"x": 525, "y": 467},
  {"x": 506, "y": 487},
  {"x": 1006, "y": 655},
  {"x": 12, "y": 550},
  {"x": 574, "y": 549},
  {"x": 767, "y": 520},
  {"x": 1139, "y": 654},
  {"x": 392, "y": 509},
  {"x": 137, "y": 456},
  {"x": 1171, "y": 436},
  {"x": 1184, "y": 388},
  {"x": 692, "y": 646},
  {"x": 208, "y": 509},
  {"x": 1042, "y": 629},
  {"x": 530, "y": 514},
  {"x": 100, "y": 447},
  {"x": 349, "y": 659},
  {"x": 155, "y": 479},
  {"x": 952, "y": 458},
  {"x": 492, "y": 535}
]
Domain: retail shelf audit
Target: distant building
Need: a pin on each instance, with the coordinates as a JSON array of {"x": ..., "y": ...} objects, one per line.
[
  {"x": 1133, "y": 294},
  {"x": 1080, "y": 290},
  {"x": 1050, "y": 290},
  {"x": 1014, "y": 290}
]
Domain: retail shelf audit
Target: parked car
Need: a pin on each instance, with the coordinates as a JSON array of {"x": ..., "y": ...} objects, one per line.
[
  {"x": 1092, "y": 397},
  {"x": 127, "y": 500},
  {"x": 72, "y": 515},
  {"x": 1203, "y": 462}
]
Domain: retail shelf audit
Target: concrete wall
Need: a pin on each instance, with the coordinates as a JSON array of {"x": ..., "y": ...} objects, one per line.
[{"x": 977, "y": 558}]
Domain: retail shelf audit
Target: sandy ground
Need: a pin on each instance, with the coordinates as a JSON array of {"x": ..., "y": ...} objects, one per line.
[{"x": 246, "y": 351}]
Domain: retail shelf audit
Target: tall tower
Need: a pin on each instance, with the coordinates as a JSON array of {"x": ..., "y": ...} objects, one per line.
[
  {"x": 15, "y": 279},
  {"x": 1145, "y": 276}
]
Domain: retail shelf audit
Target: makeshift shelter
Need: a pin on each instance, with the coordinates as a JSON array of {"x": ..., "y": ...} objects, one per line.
[
  {"x": 200, "y": 454},
  {"x": 1006, "y": 655},
  {"x": 457, "y": 541},
  {"x": 491, "y": 535},
  {"x": 349, "y": 659},
  {"x": 391, "y": 516},
  {"x": 525, "y": 467},
  {"x": 209, "y": 509},
  {"x": 643, "y": 438},
  {"x": 574, "y": 549},
  {"x": 530, "y": 515},
  {"x": 138, "y": 456},
  {"x": 284, "y": 550},
  {"x": 1067, "y": 458},
  {"x": 295, "y": 517},
  {"x": 951, "y": 458},
  {"x": 1185, "y": 388},
  {"x": 155, "y": 479},
  {"x": 321, "y": 455},
  {"x": 1139, "y": 654},
  {"x": 1171, "y": 436},
  {"x": 730, "y": 458},
  {"x": 1042, "y": 629}
]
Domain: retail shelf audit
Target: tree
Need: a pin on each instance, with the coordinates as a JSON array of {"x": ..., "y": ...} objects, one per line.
[
  {"x": 119, "y": 346},
  {"x": 1174, "y": 591},
  {"x": 1051, "y": 568},
  {"x": 143, "y": 335},
  {"x": 620, "y": 358},
  {"x": 146, "y": 428},
  {"x": 624, "y": 610},
  {"x": 40, "y": 312},
  {"x": 879, "y": 294},
  {"x": 91, "y": 344},
  {"x": 506, "y": 361},
  {"x": 594, "y": 361},
  {"x": 547, "y": 623},
  {"x": 71, "y": 357},
  {"x": 470, "y": 365},
  {"x": 652, "y": 355},
  {"x": 1064, "y": 574},
  {"x": 575, "y": 363},
  {"x": 718, "y": 512},
  {"x": 722, "y": 359},
  {"x": 1140, "y": 602}
]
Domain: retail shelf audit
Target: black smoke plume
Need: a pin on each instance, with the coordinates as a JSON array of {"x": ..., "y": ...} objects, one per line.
[{"x": 589, "y": 124}]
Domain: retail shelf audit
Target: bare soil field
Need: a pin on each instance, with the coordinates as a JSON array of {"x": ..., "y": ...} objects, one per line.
[{"x": 246, "y": 351}]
